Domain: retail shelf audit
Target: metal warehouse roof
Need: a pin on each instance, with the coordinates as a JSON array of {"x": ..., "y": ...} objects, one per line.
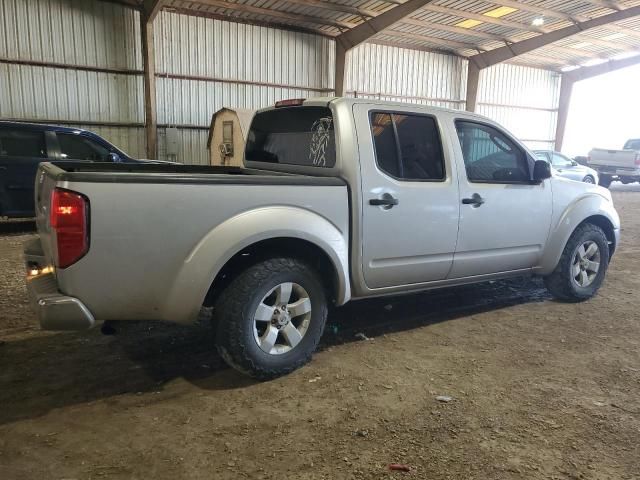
[{"x": 460, "y": 27}]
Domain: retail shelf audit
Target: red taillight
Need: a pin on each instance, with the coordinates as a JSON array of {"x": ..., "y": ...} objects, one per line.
[
  {"x": 293, "y": 102},
  {"x": 69, "y": 216},
  {"x": 638, "y": 159}
]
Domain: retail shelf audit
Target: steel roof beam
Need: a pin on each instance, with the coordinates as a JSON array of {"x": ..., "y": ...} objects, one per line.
[
  {"x": 507, "y": 52},
  {"x": 151, "y": 8},
  {"x": 366, "y": 30}
]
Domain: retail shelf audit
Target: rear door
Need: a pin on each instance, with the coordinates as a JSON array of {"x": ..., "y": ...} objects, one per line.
[
  {"x": 21, "y": 151},
  {"x": 409, "y": 197},
  {"x": 504, "y": 217}
]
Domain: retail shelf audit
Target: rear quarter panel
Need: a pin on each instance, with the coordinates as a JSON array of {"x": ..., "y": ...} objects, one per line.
[{"x": 156, "y": 248}]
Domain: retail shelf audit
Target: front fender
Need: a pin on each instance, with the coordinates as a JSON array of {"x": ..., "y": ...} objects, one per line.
[
  {"x": 567, "y": 220},
  {"x": 224, "y": 241}
]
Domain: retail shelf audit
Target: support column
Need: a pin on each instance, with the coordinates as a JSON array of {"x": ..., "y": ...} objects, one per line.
[
  {"x": 473, "y": 79},
  {"x": 149, "y": 68},
  {"x": 341, "y": 59},
  {"x": 566, "y": 89},
  {"x": 366, "y": 30}
]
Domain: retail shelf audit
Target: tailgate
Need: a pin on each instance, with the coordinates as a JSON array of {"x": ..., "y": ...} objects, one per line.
[
  {"x": 46, "y": 180},
  {"x": 613, "y": 158}
]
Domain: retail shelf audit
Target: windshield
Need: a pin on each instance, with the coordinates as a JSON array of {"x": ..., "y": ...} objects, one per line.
[
  {"x": 294, "y": 136},
  {"x": 632, "y": 144}
]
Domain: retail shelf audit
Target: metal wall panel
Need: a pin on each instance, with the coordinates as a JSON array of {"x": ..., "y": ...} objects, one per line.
[
  {"x": 78, "y": 32},
  {"x": 214, "y": 53},
  {"x": 518, "y": 85},
  {"x": 193, "y": 102},
  {"x": 523, "y": 99},
  {"x": 401, "y": 74},
  {"x": 197, "y": 46},
  {"x": 45, "y": 93},
  {"x": 191, "y": 146}
]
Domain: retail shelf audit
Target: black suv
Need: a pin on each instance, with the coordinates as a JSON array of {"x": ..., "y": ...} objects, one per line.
[{"x": 24, "y": 145}]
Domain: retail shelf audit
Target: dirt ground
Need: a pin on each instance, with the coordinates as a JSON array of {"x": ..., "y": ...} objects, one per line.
[{"x": 540, "y": 389}]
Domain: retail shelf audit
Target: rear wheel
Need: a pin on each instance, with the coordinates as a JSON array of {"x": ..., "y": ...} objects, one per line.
[
  {"x": 605, "y": 181},
  {"x": 582, "y": 266},
  {"x": 269, "y": 320}
]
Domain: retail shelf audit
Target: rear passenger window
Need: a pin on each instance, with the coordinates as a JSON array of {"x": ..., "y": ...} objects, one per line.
[
  {"x": 407, "y": 146},
  {"x": 22, "y": 143},
  {"x": 77, "y": 147},
  {"x": 490, "y": 156},
  {"x": 294, "y": 136}
]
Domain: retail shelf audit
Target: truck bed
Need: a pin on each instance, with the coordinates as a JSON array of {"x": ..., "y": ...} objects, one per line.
[
  {"x": 175, "y": 173},
  {"x": 158, "y": 232},
  {"x": 599, "y": 157}
]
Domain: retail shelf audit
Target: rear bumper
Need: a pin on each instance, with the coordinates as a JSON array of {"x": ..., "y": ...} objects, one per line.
[
  {"x": 616, "y": 172},
  {"x": 55, "y": 310}
]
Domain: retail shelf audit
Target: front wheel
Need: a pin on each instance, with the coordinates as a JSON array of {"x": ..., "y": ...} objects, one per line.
[
  {"x": 582, "y": 266},
  {"x": 589, "y": 179},
  {"x": 269, "y": 320}
]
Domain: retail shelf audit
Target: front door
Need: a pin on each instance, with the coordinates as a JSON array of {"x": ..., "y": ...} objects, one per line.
[
  {"x": 409, "y": 197},
  {"x": 504, "y": 217}
]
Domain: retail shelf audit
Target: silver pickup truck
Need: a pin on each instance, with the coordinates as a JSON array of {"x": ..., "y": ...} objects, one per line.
[
  {"x": 622, "y": 165},
  {"x": 340, "y": 199}
]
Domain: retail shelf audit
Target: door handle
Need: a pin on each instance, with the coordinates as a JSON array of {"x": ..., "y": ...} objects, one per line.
[
  {"x": 387, "y": 200},
  {"x": 2, "y": 168},
  {"x": 476, "y": 200}
]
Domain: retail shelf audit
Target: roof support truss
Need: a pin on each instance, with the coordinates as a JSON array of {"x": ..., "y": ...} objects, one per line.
[
  {"x": 498, "y": 55},
  {"x": 361, "y": 33},
  {"x": 510, "y": 51}
]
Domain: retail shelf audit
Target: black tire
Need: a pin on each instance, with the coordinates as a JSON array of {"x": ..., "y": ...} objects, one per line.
[
  {"x": 234, "y": 323},
  {"x": 561, "y": 283},
  {"x": 605, "y": 181},
  {"x": 589, "y": 179}
]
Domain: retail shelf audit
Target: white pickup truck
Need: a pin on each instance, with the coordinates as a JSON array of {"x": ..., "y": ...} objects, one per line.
[
  {"x": 341, "y": 199},
  {"x": 623, "y": 165}
]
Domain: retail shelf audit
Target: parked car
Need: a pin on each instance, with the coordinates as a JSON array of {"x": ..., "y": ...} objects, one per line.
[
  {"x": 23, "y": 146},
  {"x": 568, "y": 168},
  {"x": 341, "y": 199},
  {"x": 622, "y": 165}
]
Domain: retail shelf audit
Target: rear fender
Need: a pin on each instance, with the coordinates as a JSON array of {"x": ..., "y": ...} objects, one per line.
[{"x": 216, "y": 248}]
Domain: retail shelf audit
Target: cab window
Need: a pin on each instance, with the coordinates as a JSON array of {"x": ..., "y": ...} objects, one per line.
[
  {"x": 490, "y": 156},
  {"x": 407, "y": 146},
  {"x": 294, "y": 136}
]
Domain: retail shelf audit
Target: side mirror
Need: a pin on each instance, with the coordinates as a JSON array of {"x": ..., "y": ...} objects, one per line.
[
  {"x": 541, "y": 171},
  {"x": 114, "y": 157},
  {"x": 574, "y": 163}
]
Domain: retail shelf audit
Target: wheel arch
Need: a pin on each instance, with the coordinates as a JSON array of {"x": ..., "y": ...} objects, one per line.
[
  {"x": 295, "y": 247},
  {"x": 590, "y": 209},
  {"x": 607, "y": 227},
  {"x": 275, "y": 229}
]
